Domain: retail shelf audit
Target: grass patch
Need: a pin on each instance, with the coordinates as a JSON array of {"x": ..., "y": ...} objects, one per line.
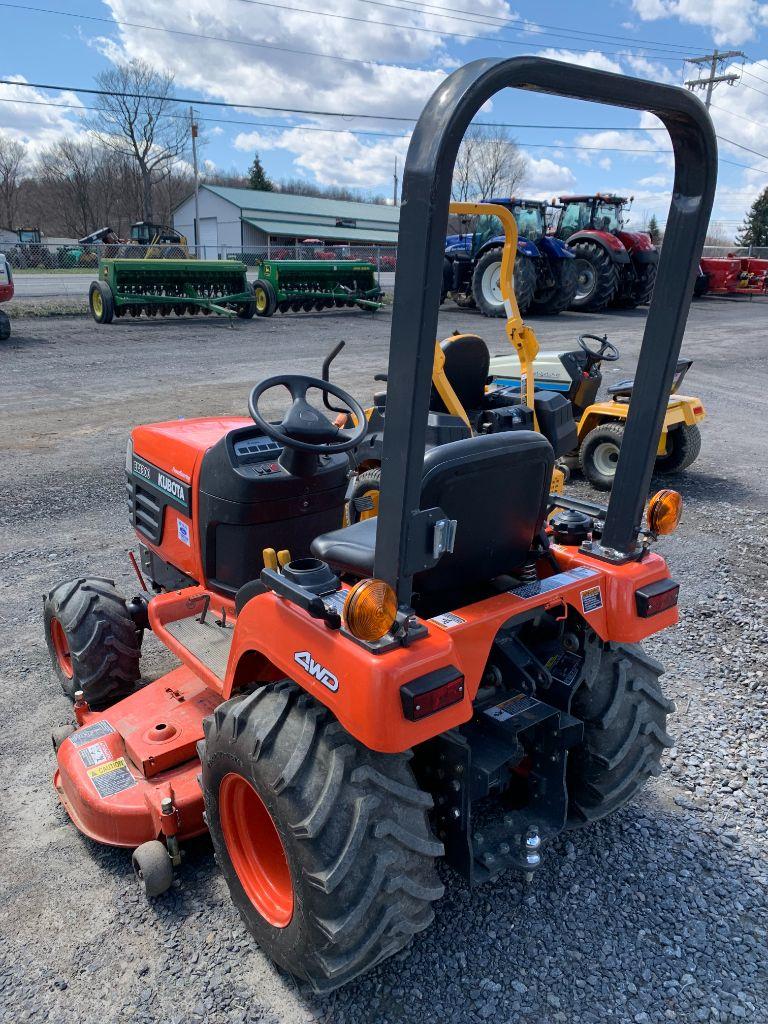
[{"x": 19, "y": 310}]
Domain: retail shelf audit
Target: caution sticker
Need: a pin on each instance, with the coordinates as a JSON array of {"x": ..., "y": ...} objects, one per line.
[
  {"x": 509, "y": 708},
  {"x": 97, "y": 753},
  {"x": 591, "y": 600},
  {"x": 448, "y": 620},
  {"x": 90, "y": 733},
  {"x": 111, "y": 778}
]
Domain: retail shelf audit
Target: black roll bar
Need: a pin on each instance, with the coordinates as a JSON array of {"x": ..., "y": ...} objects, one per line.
[{"x": 421, "y": 240}]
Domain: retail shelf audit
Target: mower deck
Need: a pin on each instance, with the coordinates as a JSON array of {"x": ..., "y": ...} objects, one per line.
[{"x": 115, "y": 770}]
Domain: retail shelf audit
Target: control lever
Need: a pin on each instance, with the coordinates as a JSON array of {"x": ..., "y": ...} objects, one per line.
[{"x": 325, "y": 373}]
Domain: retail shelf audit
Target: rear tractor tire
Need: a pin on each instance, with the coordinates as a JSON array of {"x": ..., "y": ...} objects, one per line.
[
  {"x": 597, "y": 278},
  {"x": 101, "y": 302},
  {"x": 560, "y": 296},
  {"x": 625, "y": 730},
  {"x": 599, "y": 454},
  {"x": 683, "y": 448},
  {"x": 325, "y": 845},
  {"x": 93, "y": 642}
]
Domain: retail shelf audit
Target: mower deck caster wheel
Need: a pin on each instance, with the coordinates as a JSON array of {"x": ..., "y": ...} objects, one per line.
[
  {"x": 153, "y": 868},
  {"x": 60, "y": 733}
]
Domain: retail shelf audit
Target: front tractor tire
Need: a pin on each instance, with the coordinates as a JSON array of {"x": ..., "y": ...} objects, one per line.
[
  {"x": 597, "y": 277},
  {"x": 486, "y": 286},
  {"x": 325, "y": 845},
  {"x": 599, "y": 454},
  {"x": 101, "y": 302},
  {"x": 625, "y": 730},
  {"x": 93, "y": 642}
]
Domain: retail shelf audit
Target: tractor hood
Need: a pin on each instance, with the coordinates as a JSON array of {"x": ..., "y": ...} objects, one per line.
[{"x": 176, "y": 446}]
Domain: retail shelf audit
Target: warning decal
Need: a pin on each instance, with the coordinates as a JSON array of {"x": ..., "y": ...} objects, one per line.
[
  {"x": 448, "y": 620},
  {"x": 97, "y": 753},
  {"x": 111, "y": 778},
  {"x": 514, "y": 706},
  {"x": 591, "y": 600},
  {"x": 560, "y": 579},
  {"x": 90, "y": 733}
]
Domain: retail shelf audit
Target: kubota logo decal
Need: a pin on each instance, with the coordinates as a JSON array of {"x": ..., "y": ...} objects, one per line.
[{"x": 316, "y": 670}]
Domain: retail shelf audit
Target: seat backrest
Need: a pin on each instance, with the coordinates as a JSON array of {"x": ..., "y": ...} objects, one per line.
[
  {"x": 467, "y": 361},
  {"x": 496, "y": 487}
]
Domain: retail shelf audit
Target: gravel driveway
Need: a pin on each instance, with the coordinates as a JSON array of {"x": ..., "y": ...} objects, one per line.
[{"x": 658, "y": 914}]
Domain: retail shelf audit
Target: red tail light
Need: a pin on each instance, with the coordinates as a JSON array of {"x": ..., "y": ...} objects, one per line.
[
  {"x": 656, "y": 597},
  {"x": 433, "y": 692}
]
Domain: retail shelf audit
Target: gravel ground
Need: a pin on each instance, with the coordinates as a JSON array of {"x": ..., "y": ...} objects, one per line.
[{"x": 658, "y": 914}]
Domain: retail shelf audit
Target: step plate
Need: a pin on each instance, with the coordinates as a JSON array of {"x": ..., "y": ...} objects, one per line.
[{"x": 208, "y": 643}]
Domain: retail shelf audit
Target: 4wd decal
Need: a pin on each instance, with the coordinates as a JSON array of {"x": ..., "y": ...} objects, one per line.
[{"x": 316, "y": 670}]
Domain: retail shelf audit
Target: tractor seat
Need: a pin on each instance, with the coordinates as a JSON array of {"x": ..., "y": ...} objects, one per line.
[
  {"x": 467, "y": 363},
  {"x": 512, "y": 471}
]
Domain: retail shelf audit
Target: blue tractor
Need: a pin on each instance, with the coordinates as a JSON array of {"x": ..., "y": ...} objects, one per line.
[{"x": 545, "y": 272}]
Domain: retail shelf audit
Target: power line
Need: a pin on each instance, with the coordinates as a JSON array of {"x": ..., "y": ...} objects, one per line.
[
  {"x": 307, "y": 53},
  {"x": 498, "y": 40},
  {"x": 526, "y": 26}
]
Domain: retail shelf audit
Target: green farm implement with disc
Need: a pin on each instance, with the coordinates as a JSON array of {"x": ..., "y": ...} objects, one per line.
[
  {"x": 315, "y": 284},
  {"x": 128, "y": 287}
]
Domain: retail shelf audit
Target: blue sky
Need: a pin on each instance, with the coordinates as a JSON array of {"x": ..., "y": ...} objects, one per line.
[{"x": 383, "y": 58}]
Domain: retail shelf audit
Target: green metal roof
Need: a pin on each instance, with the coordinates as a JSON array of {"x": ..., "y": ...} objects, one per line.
[
  {"x": 312, "y": 229},
  {"x": 290, "y": 206}
]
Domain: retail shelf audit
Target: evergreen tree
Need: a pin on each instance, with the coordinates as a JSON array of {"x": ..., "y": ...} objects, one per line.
[
  {"x": 258, "y": 176},
  {"x": 654, "y": 230},
  {"x": 754, "y": 231}
]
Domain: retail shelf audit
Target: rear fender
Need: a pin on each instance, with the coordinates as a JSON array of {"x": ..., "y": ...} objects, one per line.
[
  {"x": 637, "y": 242},
  {"x": 612, "y": 245}
]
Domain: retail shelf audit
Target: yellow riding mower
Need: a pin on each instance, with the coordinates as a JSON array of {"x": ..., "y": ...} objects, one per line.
[
  {"x": 600, "y": 425},
  {"x": 461, "y": 405}
]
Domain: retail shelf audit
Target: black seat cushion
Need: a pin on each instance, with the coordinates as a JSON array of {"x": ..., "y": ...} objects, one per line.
[
  {"x": 467, "y": 363},
  {"x": 349, "y": 549},
  {"x": 494, "y": 485},
  {"x": 622, "y": 388}
]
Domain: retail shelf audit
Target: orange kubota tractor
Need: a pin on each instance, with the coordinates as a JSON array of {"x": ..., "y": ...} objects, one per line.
[{"x": 458, "y": 678}]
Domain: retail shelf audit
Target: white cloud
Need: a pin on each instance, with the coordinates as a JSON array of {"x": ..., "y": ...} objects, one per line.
[
  {"x": 38, "y": 126},
  {"x": 547, "y": 177},
  {"x": 592, "y": 59},
  {"x": 730, "y": 21},
  {"x": 334, "y": 159}
]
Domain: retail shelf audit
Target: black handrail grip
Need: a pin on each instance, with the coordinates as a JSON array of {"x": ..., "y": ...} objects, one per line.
[{"x": 421, "y": 240}]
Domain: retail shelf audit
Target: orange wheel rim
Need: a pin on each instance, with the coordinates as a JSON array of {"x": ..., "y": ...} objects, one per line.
[
  {"x": 61, "y": 648},
  {"x": 373, "y": 511},
  {"x": 256, "y": 850}
]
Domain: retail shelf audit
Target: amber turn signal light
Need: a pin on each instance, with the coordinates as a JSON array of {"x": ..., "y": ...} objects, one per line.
[
  {"x": 664, "y": 511},
  {"x": 370, "y": 610}
]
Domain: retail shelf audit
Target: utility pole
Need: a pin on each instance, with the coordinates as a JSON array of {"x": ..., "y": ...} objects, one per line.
[
  {"x": 716, "y": 62},
  {"x": 395, "y": 180},
  {"x": 193, "y": 126}
]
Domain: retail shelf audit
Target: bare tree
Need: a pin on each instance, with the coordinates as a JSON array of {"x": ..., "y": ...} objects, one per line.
[
  {"x": 489, "y": 163},
  {"x": 139, "y": 119},
  {"x": 13, "y": 156}
]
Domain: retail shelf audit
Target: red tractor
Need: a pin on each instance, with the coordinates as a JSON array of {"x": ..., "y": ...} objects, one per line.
[{"x": 613, "y": 265}]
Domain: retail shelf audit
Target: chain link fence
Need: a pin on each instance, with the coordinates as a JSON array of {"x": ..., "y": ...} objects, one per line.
[{"x": 42, "y": 256}]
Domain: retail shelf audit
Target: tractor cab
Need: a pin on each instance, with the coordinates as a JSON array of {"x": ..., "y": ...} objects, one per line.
[
  {"x": 590, "y": 213},
  {"x": 146, "y": 233}
]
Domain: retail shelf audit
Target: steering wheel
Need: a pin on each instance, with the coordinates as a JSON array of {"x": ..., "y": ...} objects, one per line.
[
  {"x": 607, "y": 350},
  {"x": 303, "y": 427}
]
